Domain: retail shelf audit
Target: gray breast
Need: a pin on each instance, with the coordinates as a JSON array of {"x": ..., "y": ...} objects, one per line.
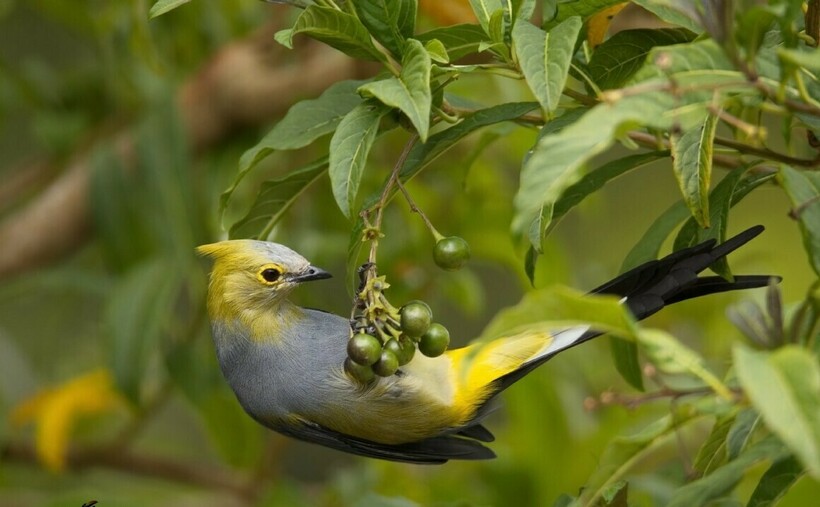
[{"x": 288, "y": 374}]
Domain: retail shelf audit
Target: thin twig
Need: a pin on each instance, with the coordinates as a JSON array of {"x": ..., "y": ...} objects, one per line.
[
  {"x": 580, "y": 97},
  {"x": 415, "y": 209},
  {"x": 634, "y": 401},
  {"x": 767, "y": 153},
  {"x": 792, "y": 105},
  {"x": 378, "y": 208}
]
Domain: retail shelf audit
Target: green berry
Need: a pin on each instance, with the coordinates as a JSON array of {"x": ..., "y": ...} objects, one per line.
[
  {"x": 364, "y": 349},
  {"x": 387, "y": 364},
  {"x": 404, "y": 350},
  {"x": 451, "y": 253},
  {"x": 435, "y": 341},
  {"x": 415, "y": 318},
  {"x": 360, "y": 373},
  {"x": 408, "y": 347}
]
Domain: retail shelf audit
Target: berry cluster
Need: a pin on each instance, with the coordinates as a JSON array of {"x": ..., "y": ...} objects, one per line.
[{"x": 383, "y": 338}]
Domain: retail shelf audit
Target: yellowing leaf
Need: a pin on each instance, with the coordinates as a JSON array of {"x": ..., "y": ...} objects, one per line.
[
  {"x": 55, "y": 410},
  {"x": 599, "y": 24}
]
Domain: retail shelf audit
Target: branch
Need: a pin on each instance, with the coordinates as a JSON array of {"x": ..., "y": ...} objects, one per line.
[
  {"x": 241, "y": 86},
  {"x": 121, "y": 460},
  {"x": 633, "y": 401},
  {"x": 767, "y": 153}
]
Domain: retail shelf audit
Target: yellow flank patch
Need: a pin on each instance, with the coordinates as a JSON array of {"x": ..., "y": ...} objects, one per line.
[
  {"x": 477, "y": 366},
  {"x": 54, "y": 412},
  {"x": 598, "y": 24}
]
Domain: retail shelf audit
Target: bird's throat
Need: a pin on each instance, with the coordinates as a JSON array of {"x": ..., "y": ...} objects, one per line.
[{"x": 259, "y": 323}]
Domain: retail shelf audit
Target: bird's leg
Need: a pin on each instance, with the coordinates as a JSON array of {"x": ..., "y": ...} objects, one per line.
[{"x": 362, "y": 272}]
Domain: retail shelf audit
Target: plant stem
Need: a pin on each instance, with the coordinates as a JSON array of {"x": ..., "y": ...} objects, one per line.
[
  {"x": 633, "y": 401},
  {"x": 376, "y": 227},
  {"x": 580, "y": 97},
  {"x": 415, "y": 209},
  {"x": 127, "y": 461},
  {"x": 769, "y": 154}
]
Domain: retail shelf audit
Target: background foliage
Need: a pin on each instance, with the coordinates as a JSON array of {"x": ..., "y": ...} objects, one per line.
[{"x": 561, "y": 155}]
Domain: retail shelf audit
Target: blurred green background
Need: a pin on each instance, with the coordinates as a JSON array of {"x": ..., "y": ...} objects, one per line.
[{"x": 145, "y": 112}]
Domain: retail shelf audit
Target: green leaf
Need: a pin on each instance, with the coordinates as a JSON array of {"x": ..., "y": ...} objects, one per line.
[
  {"x": 587, "y": 185},
  {"x": 125, "y": 237},
  {"x": 484, "y": 10},
  {"x": 776, "y": 482},
  {"x": 537, "y": 227},
  {"x": 751, "y": 27},
  {"x": 530, "y": 260},
  {"x": 389, "y": 21},
  {"x": 459, "y": 40},
  {"x": 649, "y": 246},
  {"x": 704, "y": 58},
  {"x": 309, "y": 120},
  {"x": 784, "y": 386},
  {"x": 410, "y": 92},
  {"x": 712, "y": 453},
  {"x": 496, "y": 29},
  {"x": 437, "y": 51},
  {"x": 808, "y": 59},
  {"x": 741, "y": 432},
  {"x": 274, "y": 199},
  {"x": 674, "y": 12},
  {"x": 671, "y": 356},
  {"x": 565, "y": 307},
  {"x": 625, "y": 356},
  {"x": 521, "y": 9},
  {"x": 284, "y": 37},
  {"x": 615, "y": 495},
  {"x": 692, "y": 163},
  {"x": 304, "y": 122},
  {"x": 557, "y": 160},
  {"x": 138, "y": 314},
  {"x": 722, "y": 480},
  {"x": 162, "y": 6},
  {"x": 623, "y": 453},
  {"x": 619, "y": 57},
  {"x": 720, "y": 201},
  {"x": 803, "y": 189},
  {"x": 545, "y": 57},
  {"x": 339, "y": 30},
  {"x": 421, "y": 155},
  {"x": 349, "y": 148}
]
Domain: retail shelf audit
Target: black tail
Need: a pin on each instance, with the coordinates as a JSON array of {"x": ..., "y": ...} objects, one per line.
[
  {"x": 651, "y": 286},
  {"x": 655, "y": 284}
]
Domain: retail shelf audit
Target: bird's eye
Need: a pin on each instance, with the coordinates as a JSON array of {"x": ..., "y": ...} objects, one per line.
[{"x": 270, "y": 274}]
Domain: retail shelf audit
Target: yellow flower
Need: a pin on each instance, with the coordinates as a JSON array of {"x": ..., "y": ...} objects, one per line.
[{"x": 55, "y": 410}]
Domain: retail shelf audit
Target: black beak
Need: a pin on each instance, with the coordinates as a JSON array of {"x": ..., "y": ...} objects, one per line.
[{"x": 311, "y": 273}]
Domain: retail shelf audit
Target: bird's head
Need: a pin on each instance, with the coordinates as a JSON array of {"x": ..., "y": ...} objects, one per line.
[{"x": 250, "y": 276}]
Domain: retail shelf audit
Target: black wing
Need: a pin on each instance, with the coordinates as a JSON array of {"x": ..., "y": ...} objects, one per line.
[{"x": 431, "y": 451}]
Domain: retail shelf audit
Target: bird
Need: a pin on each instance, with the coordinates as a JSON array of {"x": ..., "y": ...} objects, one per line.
[{"x": 285, "y": 363}]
